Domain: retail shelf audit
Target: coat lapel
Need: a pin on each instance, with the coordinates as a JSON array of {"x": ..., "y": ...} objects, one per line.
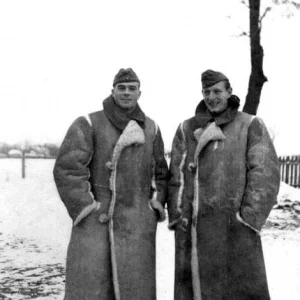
[
  {"x": 132, "y": 134},
  {"x": 212, "y": 132}
]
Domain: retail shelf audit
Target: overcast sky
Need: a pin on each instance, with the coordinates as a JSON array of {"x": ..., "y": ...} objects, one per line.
[{"x": 58, "y": 60}]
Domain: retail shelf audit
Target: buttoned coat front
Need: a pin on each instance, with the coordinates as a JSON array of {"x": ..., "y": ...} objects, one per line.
[
  {"x": 223, "y": 183},
  {"x": 111, "y": 254}
]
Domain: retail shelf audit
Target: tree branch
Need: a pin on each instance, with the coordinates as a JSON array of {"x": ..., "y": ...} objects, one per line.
[
  {"x": 287, "y": 2},
  {"x": 242, "y": 34},
  {"x": 244, "y": 2},
  {"x": 268, "y": 9},
  {"x": 296, "y": 5}
]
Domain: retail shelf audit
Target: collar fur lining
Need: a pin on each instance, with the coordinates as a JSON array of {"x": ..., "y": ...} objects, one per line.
[
  {"x": 211, "y": 133},
  {"x": 132, "y": 134}
]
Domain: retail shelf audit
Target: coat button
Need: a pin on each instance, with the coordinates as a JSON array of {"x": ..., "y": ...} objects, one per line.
[
  {"x": 109, "y": 165},
  {"x": 192, "y": 167},
  {"x": 103, "y": 218}
]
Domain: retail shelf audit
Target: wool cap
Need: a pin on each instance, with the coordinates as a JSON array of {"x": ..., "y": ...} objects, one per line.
[
  {"x": 126, "y": 75},
  {"x": 210, "y": 77}
]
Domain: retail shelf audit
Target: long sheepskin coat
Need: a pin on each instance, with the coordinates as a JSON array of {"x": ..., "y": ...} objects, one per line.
[
  {"x": 113, "y": 186},
  {"x": 223, "y": 183}
]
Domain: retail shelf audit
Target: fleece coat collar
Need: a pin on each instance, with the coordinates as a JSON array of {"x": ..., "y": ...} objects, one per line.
[{"x": 118, "y": 116}]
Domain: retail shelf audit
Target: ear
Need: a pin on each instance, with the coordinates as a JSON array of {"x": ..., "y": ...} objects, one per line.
[
  {"x": 112, "y": 91},
  {"x": 140, "y": 93},
  {"x": 230, "y": 91}
]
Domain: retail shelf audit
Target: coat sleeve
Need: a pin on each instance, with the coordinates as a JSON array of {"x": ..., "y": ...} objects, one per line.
[
  {"x": 71, "y": 170},
  {"x": 160, "y": 168},
  {"x": 176, "y": 178},
  {"x": 160, "y": 176},
  {"x": 263, "y": 177}
]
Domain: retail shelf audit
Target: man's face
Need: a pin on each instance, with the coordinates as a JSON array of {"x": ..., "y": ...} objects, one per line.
[
  {"x": 216, "y": 97},
  {"x": 126, "y": 94}
]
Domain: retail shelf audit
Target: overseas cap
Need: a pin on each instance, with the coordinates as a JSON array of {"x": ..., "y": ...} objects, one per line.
[
  {"x": 126, "y": 75},
  {"x": 210, "y": 77}
]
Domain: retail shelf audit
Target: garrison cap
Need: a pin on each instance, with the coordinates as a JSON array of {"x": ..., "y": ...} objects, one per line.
[
  {"x": 126, "y": 75},
  {"x": 210, "y": 77}
]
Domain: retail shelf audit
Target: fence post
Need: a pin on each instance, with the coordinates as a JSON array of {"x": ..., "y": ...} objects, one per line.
[{"x": 23, "y": 163}]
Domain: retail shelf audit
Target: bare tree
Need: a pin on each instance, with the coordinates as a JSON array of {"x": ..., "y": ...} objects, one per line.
[{"x": 257, "y": 76}]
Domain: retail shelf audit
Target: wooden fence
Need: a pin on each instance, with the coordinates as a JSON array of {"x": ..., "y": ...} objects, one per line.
[{"x": 290, "y": 170}]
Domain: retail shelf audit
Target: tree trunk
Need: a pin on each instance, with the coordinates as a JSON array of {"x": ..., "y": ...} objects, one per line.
[{"x": 257, "y": 77}]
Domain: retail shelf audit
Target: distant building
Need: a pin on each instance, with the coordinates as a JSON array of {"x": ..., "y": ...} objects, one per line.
[
  {"x": 40, "y": 151},
  {"x": 31, "y": 153},
  {"x": 14, "y": 153}
]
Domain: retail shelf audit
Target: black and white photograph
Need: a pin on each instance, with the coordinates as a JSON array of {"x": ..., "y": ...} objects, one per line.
[{"x": 149, "y": 150}]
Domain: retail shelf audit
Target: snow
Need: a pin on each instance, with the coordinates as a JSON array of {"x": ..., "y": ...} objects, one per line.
[
  {"x": 288, "y": 192},
  {"x": 35, "y": 230}
]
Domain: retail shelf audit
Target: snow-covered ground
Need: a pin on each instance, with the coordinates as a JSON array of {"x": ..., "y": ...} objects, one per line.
[{"x": 35, "y": 230}]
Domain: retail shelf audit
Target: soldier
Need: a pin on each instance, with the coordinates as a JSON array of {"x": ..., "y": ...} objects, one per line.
[
  {"x": 111, "y": 175},
  {"x": 224, "y": 179}
]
